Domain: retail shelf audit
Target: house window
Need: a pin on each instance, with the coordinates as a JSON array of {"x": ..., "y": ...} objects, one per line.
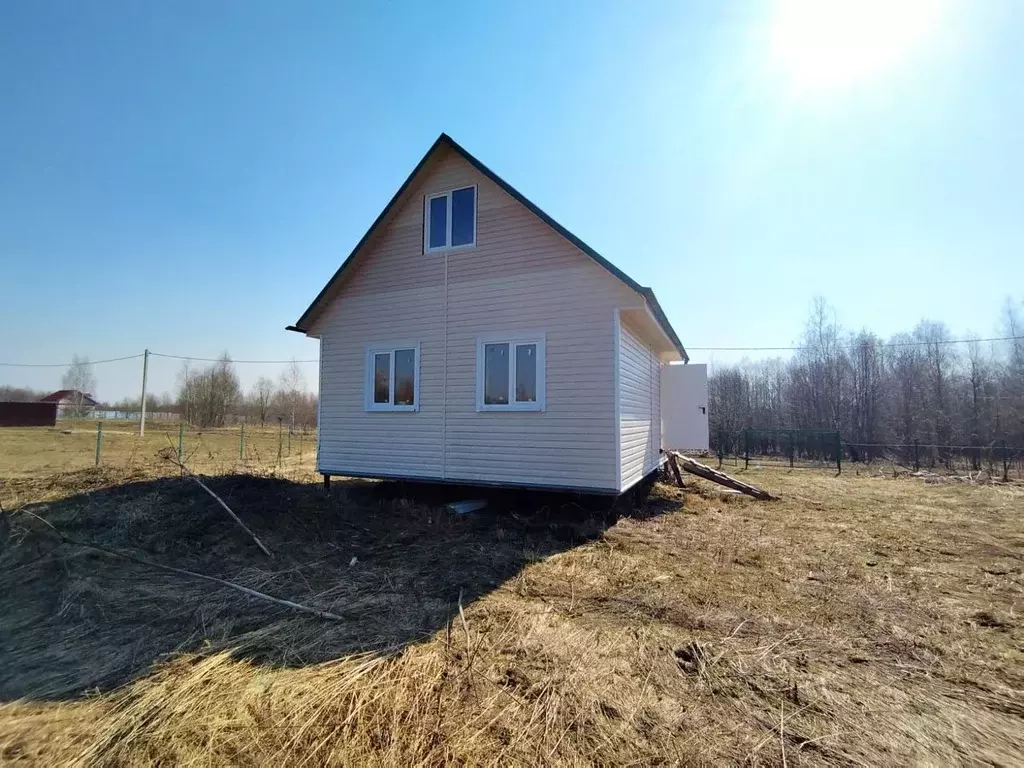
[
  {"x": 393, "y": 377},
  {"x": 510, "y": 372},
  {"x": 450, "y": 219}
]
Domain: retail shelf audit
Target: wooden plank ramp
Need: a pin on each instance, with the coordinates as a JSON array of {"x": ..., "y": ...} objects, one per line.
[{"x": 677, "y": 461}]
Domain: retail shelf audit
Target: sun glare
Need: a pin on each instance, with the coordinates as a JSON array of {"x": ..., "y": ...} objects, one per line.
[{"x": 829, "y": 44}]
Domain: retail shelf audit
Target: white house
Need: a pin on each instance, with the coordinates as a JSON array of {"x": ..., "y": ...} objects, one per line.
[{"x": 470, "y": 338}]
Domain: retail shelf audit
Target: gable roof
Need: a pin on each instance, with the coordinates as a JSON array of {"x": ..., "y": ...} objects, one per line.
[
  {"x": 444, "y": 139},
  {"x": 62, "y": 394}
]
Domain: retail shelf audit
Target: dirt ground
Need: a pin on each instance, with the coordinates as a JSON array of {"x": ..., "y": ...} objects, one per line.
[{"x": 861, "y": 619}]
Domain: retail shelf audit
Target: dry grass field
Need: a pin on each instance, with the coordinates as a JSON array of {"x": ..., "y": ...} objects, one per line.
[
  {"x": 861, "y": 619},
  {"x": 71, "y": 445}
]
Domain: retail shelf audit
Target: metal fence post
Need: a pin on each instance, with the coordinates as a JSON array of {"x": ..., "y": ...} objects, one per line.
[
  {"x": 1006, "y": 464},
  {"x": 99, "y": 441},
  {"x": 839, "y": 453},
  {"x": 721, "y": 448},
  {"x": 181, "y": 439},
  {"x": 917, "y": 462},
  {"x": 792, "y": 447},
  {"x": 280, "y": 438},
  {"x": 746, "y": 449}
]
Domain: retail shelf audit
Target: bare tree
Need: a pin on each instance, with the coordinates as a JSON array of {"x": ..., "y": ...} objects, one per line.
[
  {"x": 1013, "y": 327},
  {"x": 293, "y": 387},
  {"x": 81, "y": 381},
  {"x": 941, "y": 358},
  {"x": 1010, "y": 414},
  {"x": 260, "y": 397},
  {"x": 979, "y": 397},
  {"x": 207, "y": 396},
  {"x": 823, "y": 361},
  {"x": 866, "y": 372}
]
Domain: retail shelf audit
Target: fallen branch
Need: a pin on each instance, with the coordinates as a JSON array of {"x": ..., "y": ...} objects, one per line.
[
  {"x": 703, "y": 470},
  {"x": 190, "y": 574},
  {"x": 167, "y": 455}
]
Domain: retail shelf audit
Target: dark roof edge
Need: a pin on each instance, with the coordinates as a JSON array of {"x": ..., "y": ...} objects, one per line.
[
  {"x": 666, "y": 326},
  {"x": 300, "y": 324},
  {"x": 647, "y": 293}
]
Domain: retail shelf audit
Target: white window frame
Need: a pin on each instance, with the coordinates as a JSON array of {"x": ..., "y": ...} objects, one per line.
[
  {"x": 390, "y": 347},
  {"x": 448, "y": 220},
  {"x": 513, "y": 339}
]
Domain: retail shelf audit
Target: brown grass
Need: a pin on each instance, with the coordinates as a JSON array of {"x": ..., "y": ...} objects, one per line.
[
  {"x": 27, "y": 452},
  {"x": 869, "y": 620}
]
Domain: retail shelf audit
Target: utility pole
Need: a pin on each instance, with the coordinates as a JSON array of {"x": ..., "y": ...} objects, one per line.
[{"x": 145, "y": 370}]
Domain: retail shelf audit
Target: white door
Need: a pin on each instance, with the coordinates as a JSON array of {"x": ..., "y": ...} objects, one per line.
[{"x": 684, "y": 407}]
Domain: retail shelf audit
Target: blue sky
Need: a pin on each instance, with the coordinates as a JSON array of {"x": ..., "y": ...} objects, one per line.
[{"x": 185, "y": 176}]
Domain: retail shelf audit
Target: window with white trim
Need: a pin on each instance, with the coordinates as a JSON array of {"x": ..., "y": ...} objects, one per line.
[
  {"x": 450, "y": 220},
  {"x": 510, "y": 372},
  {"x": 393, "y": 377}
]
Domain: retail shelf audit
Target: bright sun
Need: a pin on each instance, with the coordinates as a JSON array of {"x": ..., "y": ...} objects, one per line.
[{"x": 829, "y": 44}]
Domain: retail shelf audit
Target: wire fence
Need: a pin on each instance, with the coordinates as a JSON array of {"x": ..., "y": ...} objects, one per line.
[
  {"x": 793, "y": 448},
  {"x": 76, "y": 444},
  {"x": 826, "y": 449},
  {"x": 83, "y": 443},
  {"x": 997, "y": 458}
]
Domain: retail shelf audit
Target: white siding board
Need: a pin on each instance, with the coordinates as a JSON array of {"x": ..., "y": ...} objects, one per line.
[
  {"x": 639, "y": 410},
  {"x": 573, "y": 306},
  {"x": 654, "y": 456},
  {"x": 353, "y": 440}
]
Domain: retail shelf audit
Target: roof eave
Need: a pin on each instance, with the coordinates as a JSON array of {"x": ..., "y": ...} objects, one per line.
[{"x": 666, "y": 326}]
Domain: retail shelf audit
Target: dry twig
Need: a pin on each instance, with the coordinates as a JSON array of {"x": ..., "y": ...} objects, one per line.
[
  {"x": 168, "y": 456},
  {"x": 191, "y": 574}
]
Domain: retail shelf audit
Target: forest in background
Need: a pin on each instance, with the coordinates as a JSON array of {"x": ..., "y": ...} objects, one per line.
[{"x": 924, "y": 385}]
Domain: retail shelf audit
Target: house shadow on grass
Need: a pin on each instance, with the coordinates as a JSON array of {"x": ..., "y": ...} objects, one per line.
[{"x": 387, "y": 557}]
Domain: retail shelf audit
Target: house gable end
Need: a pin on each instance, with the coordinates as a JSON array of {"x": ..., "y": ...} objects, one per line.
[{"x": 399, "y": 230}]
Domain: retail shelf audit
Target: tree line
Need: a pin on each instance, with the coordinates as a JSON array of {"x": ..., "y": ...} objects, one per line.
[
  {"x": 212, "y": 396},
  {"x": 206, "y": 396},
  {"x": 917, "y": 386}
]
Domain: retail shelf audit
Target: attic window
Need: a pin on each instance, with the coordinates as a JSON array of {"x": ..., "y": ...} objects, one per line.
[{"x": 450, "y": 220}]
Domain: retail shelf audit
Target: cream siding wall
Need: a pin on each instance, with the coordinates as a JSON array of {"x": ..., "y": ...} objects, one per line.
[
  {"x": 639, "y": 406},
  {"x": 389, "y": 295},
  {"x": 520, "y": 276},
  {"x": 403, "y": 444}
]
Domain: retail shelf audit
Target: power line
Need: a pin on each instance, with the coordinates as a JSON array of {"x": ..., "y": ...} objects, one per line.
[
  {"x": 855, "y": 346},
  {"x": 217, "y": 359},
  {"x": 65, "y": 365},
  {"x": 695, "y": 349},
  {"x": 152, "y": 354}
]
